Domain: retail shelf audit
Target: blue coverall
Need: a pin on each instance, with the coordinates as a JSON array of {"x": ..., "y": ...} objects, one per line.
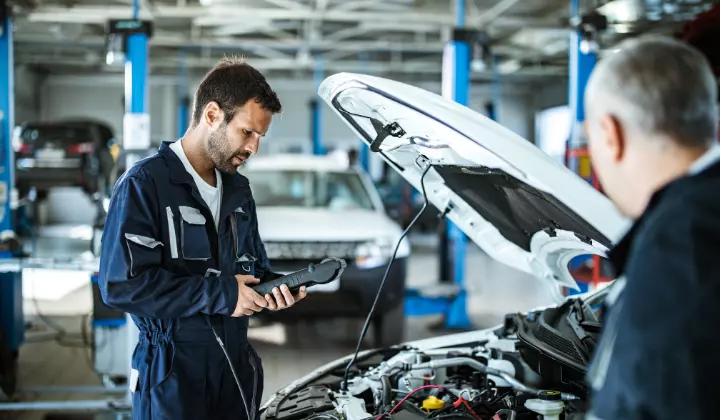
[{"x": 164, "y": 262}]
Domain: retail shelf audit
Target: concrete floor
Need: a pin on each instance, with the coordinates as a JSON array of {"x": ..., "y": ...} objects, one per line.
[{"x": 494, "y": 290}]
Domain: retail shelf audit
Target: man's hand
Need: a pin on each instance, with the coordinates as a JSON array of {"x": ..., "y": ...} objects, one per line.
[
  {"x": 283, "y": 299},
  {"x": 249, "y": 301}
]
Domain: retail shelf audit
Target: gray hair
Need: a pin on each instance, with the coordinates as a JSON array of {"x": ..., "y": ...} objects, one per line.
[{"x": 657, "y": 86}]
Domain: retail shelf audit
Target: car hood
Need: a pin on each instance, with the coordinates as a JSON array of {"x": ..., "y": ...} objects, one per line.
[
  {"x": 293, "y": 224},
  {"x": 519, "y": 205}
]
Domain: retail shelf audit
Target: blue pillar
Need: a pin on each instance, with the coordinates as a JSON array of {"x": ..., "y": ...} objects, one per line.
[
  {"x": 11, "y": 310},
  {"x": 582, "y": 63},
  {"x": 457, "y": 316},
  {"x": 496, "y": 89},
  {"x": 136, "y": 73},
  {"x": 182, "y": 97},
  {"x": 364, "y": 149},
  {"x": 136, "y": 126},
  {"x": 7, "y": 118},
  {"x": 316, "y": 111}
]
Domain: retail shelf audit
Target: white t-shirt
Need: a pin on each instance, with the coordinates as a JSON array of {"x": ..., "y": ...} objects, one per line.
[{"x": 211, "y": 195}]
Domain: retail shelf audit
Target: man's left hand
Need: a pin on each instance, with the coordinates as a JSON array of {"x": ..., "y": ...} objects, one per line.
[{"x": 282, "y": 298}]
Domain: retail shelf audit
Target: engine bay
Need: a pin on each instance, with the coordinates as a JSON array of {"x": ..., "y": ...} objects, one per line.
[{"x": 532, "y": 367}]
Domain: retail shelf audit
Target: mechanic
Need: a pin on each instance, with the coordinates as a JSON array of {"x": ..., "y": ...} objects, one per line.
[
  {"x": 181, "y": 249},
  {"x": 652, "y": 121}
]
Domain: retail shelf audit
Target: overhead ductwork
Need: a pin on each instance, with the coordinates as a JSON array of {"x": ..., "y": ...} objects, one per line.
[{"x": 625, "y": 15}]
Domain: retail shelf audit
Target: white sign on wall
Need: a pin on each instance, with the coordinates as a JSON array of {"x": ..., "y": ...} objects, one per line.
[{"x": 136, "y": 131}]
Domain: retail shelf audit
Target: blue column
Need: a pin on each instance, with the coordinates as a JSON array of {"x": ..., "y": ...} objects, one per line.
[
  {"x": 582, "y": 63},
  {"x": 496, "y": 89},
  {"x": 457, "y": 316},
  {"x": 11, "y": 309},
  {"x": 136, "y": 131},
  {"x": 364, "y": 149},
  {"x": 7, "y": 119},
  {"x": 316, "y": 111},
  {"x": 182, "y": 97},
  {"x": 136, "y": 74}
]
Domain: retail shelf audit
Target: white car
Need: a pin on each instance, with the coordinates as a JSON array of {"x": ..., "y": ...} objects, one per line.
[
  {"x": 523, "y": 209},
  {"x": 313, "y": 207}
]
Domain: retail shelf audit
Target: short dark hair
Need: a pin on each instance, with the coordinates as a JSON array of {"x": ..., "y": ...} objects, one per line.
[{"x": 232, "y": 83}]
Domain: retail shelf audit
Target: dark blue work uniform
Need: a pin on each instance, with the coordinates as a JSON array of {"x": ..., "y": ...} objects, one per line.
[
  {"x": 659, "y": 355},
  {"x": 164, "y": 262}
]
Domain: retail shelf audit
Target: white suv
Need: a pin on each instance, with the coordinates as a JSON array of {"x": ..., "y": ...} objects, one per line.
[{"x": 311, "y": 207}]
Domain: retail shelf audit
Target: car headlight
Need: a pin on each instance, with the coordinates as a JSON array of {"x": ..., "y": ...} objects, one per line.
[{"x": 378, "y": 252}]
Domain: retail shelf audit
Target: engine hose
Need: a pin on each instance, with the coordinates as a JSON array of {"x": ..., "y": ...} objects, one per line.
[
  {"x": 386, "y": 391},
  {"x": 466, "y": 361}
]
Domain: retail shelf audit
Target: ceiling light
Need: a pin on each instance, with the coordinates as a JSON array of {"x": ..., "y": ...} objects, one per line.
[{"x": 509, "y": 66}]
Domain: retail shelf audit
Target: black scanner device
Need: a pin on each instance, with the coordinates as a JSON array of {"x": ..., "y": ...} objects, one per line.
[{"x": 324, "y": 272}]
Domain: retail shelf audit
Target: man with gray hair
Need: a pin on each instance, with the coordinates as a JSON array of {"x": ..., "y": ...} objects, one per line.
[{"x": 652, "y": 125}]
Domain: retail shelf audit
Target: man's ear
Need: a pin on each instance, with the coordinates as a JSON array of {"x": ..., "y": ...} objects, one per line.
[
  {"x": 212, "y": 115},
  {"x": 614, "y": 137}
]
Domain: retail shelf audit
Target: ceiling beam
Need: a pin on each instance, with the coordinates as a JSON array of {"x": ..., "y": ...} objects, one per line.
[
  {"x": 429, "y": 67},
  {"x": 288, "y": 4},
  {"x": 101, "y": 14},
  {"x": 169, "y": 40}
]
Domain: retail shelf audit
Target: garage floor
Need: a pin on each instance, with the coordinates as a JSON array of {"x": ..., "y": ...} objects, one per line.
[{"x": 494, "y": 290}]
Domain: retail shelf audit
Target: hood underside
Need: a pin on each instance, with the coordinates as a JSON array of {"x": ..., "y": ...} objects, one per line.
[{"x": 515, "y": 202}]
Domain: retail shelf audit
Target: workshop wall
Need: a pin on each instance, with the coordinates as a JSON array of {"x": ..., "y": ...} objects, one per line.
[
  {"x": 100, "y": 96},
  {"x": 27, "y": 100}
]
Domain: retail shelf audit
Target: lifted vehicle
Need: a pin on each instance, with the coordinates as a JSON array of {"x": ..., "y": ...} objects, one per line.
[
  {"x": 77, "y": 153},
  {"x": 523, "y": 209},
  {"x": 313, "y": 207}
]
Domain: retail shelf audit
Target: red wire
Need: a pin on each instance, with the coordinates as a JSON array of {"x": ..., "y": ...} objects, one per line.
[
  {"x": 427, "y": 387},
  {"x": 408, "y": 396},
  {"x": 470, "y": 409}
]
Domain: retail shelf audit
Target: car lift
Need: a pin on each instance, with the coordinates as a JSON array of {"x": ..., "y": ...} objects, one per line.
[
  {"x": 12, "y": 326},
  {"x": 129, "y": 38},
  {"x": 450, "y": 297},
  {"x": 583, "y": 57}
]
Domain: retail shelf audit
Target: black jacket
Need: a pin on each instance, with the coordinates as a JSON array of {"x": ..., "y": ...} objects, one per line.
[{"x": 659, "y": 356}]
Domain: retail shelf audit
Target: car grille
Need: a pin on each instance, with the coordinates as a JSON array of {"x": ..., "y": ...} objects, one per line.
[{"x": 310, "y": 250}]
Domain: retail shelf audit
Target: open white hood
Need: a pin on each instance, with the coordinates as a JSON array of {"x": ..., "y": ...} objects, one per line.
[{"x": 520, "y": 206}]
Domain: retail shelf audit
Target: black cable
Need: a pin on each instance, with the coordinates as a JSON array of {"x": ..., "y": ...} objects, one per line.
[
  {"x": 343, "y": 386},
  {"x": 232, "y": 368}
]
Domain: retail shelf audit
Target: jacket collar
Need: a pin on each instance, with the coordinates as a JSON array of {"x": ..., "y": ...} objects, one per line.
[{"x": 179, "y": 175}]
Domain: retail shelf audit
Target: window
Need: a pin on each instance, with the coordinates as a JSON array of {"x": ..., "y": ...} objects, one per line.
[
  {"x": 330, "y": 190},
  {"x": 553, "y": 131}
]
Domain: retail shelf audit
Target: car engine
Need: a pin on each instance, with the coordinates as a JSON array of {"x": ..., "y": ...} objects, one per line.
[{"x": 532, "y": 367}]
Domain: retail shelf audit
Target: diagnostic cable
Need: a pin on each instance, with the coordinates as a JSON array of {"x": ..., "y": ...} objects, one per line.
[
  {"x": 326, "y": 271},
  {"x": 344, "y": 383}
]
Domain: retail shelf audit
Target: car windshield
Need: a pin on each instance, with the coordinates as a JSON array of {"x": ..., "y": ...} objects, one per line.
[{"x": 331, "y": 190}]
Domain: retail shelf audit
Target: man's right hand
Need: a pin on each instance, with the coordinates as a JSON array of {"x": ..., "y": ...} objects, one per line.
[{"x": 249, "y": 301}]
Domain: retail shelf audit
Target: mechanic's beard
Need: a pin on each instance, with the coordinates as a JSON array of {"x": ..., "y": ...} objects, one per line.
[{"x": 219, "y": 151}]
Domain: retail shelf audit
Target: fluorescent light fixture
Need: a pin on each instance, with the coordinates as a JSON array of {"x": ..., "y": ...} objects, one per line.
[{"x": 509, "y": 66}]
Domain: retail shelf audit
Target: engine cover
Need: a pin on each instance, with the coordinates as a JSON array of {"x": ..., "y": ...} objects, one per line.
[{"x": 301, "y": 404}]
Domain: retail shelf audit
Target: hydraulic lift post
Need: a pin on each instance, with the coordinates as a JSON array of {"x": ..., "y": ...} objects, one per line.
[
  {"x": 583, "y": 57},
  {"x": 12, "y": 325},
  {"x": 456, "y": 85},
  {"x": 182, "y": 97},
  {"x": 316, "y": 110}
]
